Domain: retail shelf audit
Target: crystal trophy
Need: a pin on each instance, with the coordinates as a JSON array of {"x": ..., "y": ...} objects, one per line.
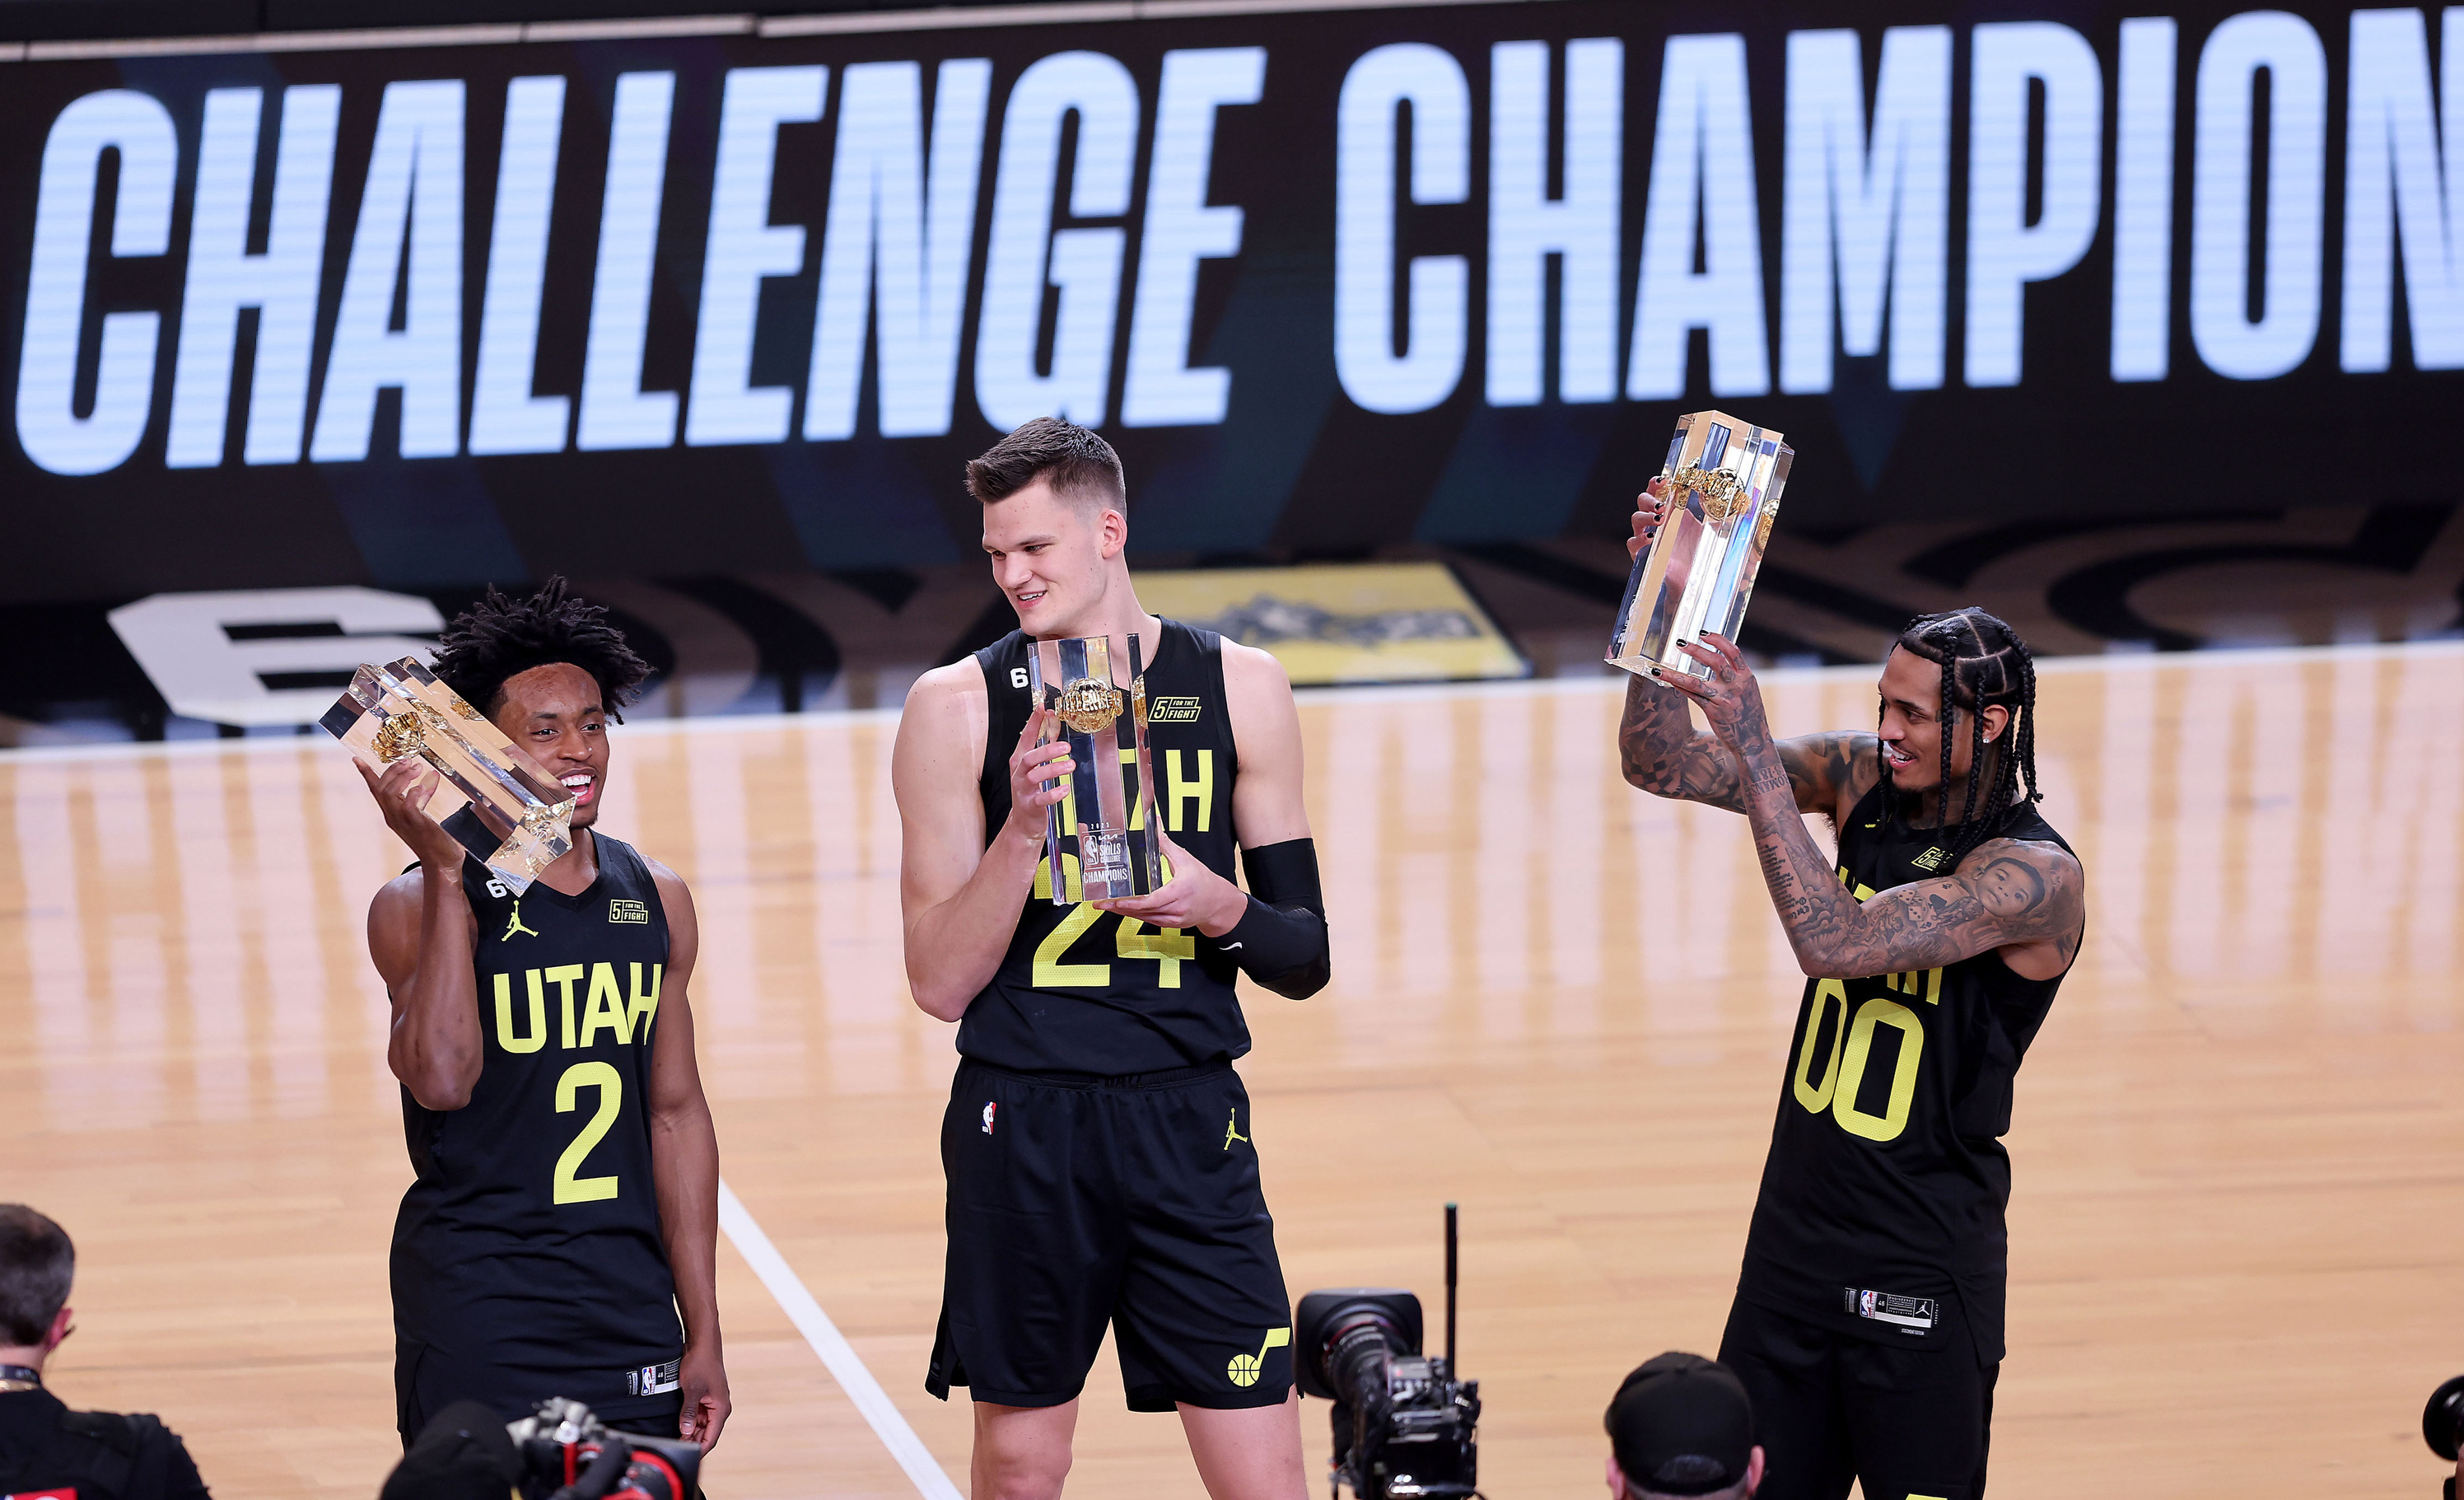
[
  {"x": 402, "y": 709},
  {"x": 1723, "y": 492},
  {"x": 1110, "y": 803}
]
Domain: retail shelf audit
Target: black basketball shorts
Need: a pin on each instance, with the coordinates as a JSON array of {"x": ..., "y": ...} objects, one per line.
[
  {"x": 1129, "y": 1202},
  {"x": 1907, "y": 1424}
]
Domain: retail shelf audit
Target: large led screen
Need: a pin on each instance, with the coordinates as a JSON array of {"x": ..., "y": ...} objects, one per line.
[{"x": 1329, "y": 280}]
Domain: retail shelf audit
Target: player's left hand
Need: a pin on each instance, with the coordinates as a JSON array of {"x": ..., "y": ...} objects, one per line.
[
  {"x": 1193, "y": 898},
  {"x": 1731, "y": 701},
  {"x": 701, "y": 1379}
]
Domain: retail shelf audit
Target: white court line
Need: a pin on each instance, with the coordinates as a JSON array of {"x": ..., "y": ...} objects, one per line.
[{"x": 845, "y": 1366}]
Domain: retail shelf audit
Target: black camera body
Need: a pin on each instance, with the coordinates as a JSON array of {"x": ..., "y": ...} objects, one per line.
[
  {"x": 2442, "y": 1424},
  {"x": 568, "y": 1454},
  {"x": 561, "y": 1451},
  {"x": 1404, "y": 1427}
]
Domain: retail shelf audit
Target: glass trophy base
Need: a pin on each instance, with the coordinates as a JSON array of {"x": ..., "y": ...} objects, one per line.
[{"x": 402, "y": 709}]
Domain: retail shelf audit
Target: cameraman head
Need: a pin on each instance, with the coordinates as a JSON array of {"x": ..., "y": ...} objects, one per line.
[
  {"x": 1681, "y": 1425},
  {"x": 46, "y": 1448},
  {"x": 37, "y": 1263}
]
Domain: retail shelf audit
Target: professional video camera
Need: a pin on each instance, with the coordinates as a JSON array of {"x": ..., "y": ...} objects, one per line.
[
  {"x": 561, "y": 1451},
  {"x": 1404, "y": 1427},
  {"x": 2442, "y": 1424}
]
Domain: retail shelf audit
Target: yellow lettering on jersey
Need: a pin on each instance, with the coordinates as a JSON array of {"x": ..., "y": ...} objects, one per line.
[
  {"x": 1894, "y": 1119},
  {"x": 1051, "y": 973},
  {"x": 505, "y": 1038},
  {"x": 1859, "y": 892},
  {"x": 570, "y": 1188},
  {"x": 1918, "y": 981},
  {"x": 1169, "y": 946},
  {"x": 1178, "y": 789},
  {"x": 563, "y": 976},
  {"x": 1816, "y": 1097},
  {"x": 645, "y": 1007},
  {"x": 1137, "y": 803},
  {"x": 1072, "y": 883},
  {"x": 606, "y": 1008}
]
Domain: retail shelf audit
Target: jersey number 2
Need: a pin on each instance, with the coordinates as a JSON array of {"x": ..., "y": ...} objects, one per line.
[{"x": 610, "y": 1084}]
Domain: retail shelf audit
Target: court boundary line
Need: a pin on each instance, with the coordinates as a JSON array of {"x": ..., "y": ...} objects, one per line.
[
  {"x": 844, "y": 1364},
  {"x": 1388, "y": 691}
]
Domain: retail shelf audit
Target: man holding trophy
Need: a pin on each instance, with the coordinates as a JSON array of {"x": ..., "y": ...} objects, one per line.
[
  {"x": 1072, "y": 797},
  {"x": 1868, "y": 1323},
  {"x": 566, "y": 1205}
]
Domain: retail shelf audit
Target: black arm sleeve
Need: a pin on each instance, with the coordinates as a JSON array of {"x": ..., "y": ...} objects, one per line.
[{"x": 1280, "y": 941}]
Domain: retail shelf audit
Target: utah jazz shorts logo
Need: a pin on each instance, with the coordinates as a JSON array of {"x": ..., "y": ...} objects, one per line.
[{"x": 1245, "y": 1367}]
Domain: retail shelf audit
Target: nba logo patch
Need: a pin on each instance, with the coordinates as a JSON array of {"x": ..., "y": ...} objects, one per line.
[
  {"x": 1865, "y": 1304},
  {"x": 988, "y": 1117}
]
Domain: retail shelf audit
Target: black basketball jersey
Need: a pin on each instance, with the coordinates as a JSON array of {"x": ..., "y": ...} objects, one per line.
[
  {"x": 1085, "y": 991},
  {"x": 1886, "y": 1181},
  {"x": 527, "y": 1257}
]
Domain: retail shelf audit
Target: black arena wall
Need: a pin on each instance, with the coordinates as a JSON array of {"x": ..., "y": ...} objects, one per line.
[{"x": 424, "y": 315}]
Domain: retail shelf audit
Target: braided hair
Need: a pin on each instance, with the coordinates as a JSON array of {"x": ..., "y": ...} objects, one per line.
[
  {"x": 1984, "y": 663},
  {"x": 501, "y": 637}
]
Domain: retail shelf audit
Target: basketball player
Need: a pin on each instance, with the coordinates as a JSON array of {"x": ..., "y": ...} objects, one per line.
[
  {"x": 1868, "y": 1320},
  {"x": 566, "y": 1199},
  {"x": 1098, "y": 1144}
]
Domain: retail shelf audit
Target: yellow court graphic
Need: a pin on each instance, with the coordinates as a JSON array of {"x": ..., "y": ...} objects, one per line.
[{"x": 1243, "y": 1368}]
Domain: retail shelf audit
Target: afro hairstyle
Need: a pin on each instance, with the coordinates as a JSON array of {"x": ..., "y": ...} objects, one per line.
[{"x": 501, "y": 637}]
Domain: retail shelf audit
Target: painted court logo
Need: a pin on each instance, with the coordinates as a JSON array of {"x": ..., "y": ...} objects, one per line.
[
  {"x": 988, "y": 1117},
  {"x": 1174, "y": 709},
  {"x": 1243, "y": 1368}
]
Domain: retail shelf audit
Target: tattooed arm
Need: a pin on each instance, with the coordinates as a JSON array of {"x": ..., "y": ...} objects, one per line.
[
  {"x": 1661, "y": 752},
  {"x": 2022, "y": 898}
]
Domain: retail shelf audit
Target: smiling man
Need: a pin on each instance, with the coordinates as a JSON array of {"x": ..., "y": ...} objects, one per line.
[
  {"x": 566, "y": 1203},
  {"x": 1868, "y": 1321},
  {"x": 1098, "y": 1144}
]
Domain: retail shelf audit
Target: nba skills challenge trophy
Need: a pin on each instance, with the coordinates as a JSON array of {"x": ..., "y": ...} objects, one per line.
[
  {"x": 1110, "y": 803},
  {"x": 402, "y": 709},
  {"x": 1723, "y": 492}
]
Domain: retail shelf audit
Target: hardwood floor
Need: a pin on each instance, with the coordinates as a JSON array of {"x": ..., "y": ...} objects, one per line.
[{"x": 2238, "y": 1226}]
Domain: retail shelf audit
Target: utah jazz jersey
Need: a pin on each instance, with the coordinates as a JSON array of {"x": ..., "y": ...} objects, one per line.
[
  {"x": 1085, "y": 991},
  {"x": 527, "y": 1259},
  {"x": 1887, "y": 1183}
]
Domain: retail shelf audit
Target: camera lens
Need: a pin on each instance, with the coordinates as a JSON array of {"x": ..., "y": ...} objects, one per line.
[{"x": 2442, "y": 1421}]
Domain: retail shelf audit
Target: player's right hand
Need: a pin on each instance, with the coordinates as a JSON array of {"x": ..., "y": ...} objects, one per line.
[
  {"x": 1035, "y": 772},
  {"x": 402, "y": 791},
  {"x": 1650, "y": 508}
]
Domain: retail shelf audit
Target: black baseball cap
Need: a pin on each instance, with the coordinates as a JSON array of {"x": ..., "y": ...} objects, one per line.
[{"x": 1681, "y": 1425}]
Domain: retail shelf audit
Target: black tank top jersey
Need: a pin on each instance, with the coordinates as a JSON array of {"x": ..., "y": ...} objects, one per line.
[
  {"x": 1083, "y": 991},
  {"x": 528, "y": 1249},
  {"x": 1886, "y": 1181}
]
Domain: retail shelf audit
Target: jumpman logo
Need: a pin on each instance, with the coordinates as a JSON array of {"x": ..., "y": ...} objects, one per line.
[
  {"x": 1232, "y": 1129},
  {"x": 516, "y": 927}
]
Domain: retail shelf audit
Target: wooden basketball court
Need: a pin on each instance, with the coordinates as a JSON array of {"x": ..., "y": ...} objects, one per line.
[{"x": 2238, "y": 1228}]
